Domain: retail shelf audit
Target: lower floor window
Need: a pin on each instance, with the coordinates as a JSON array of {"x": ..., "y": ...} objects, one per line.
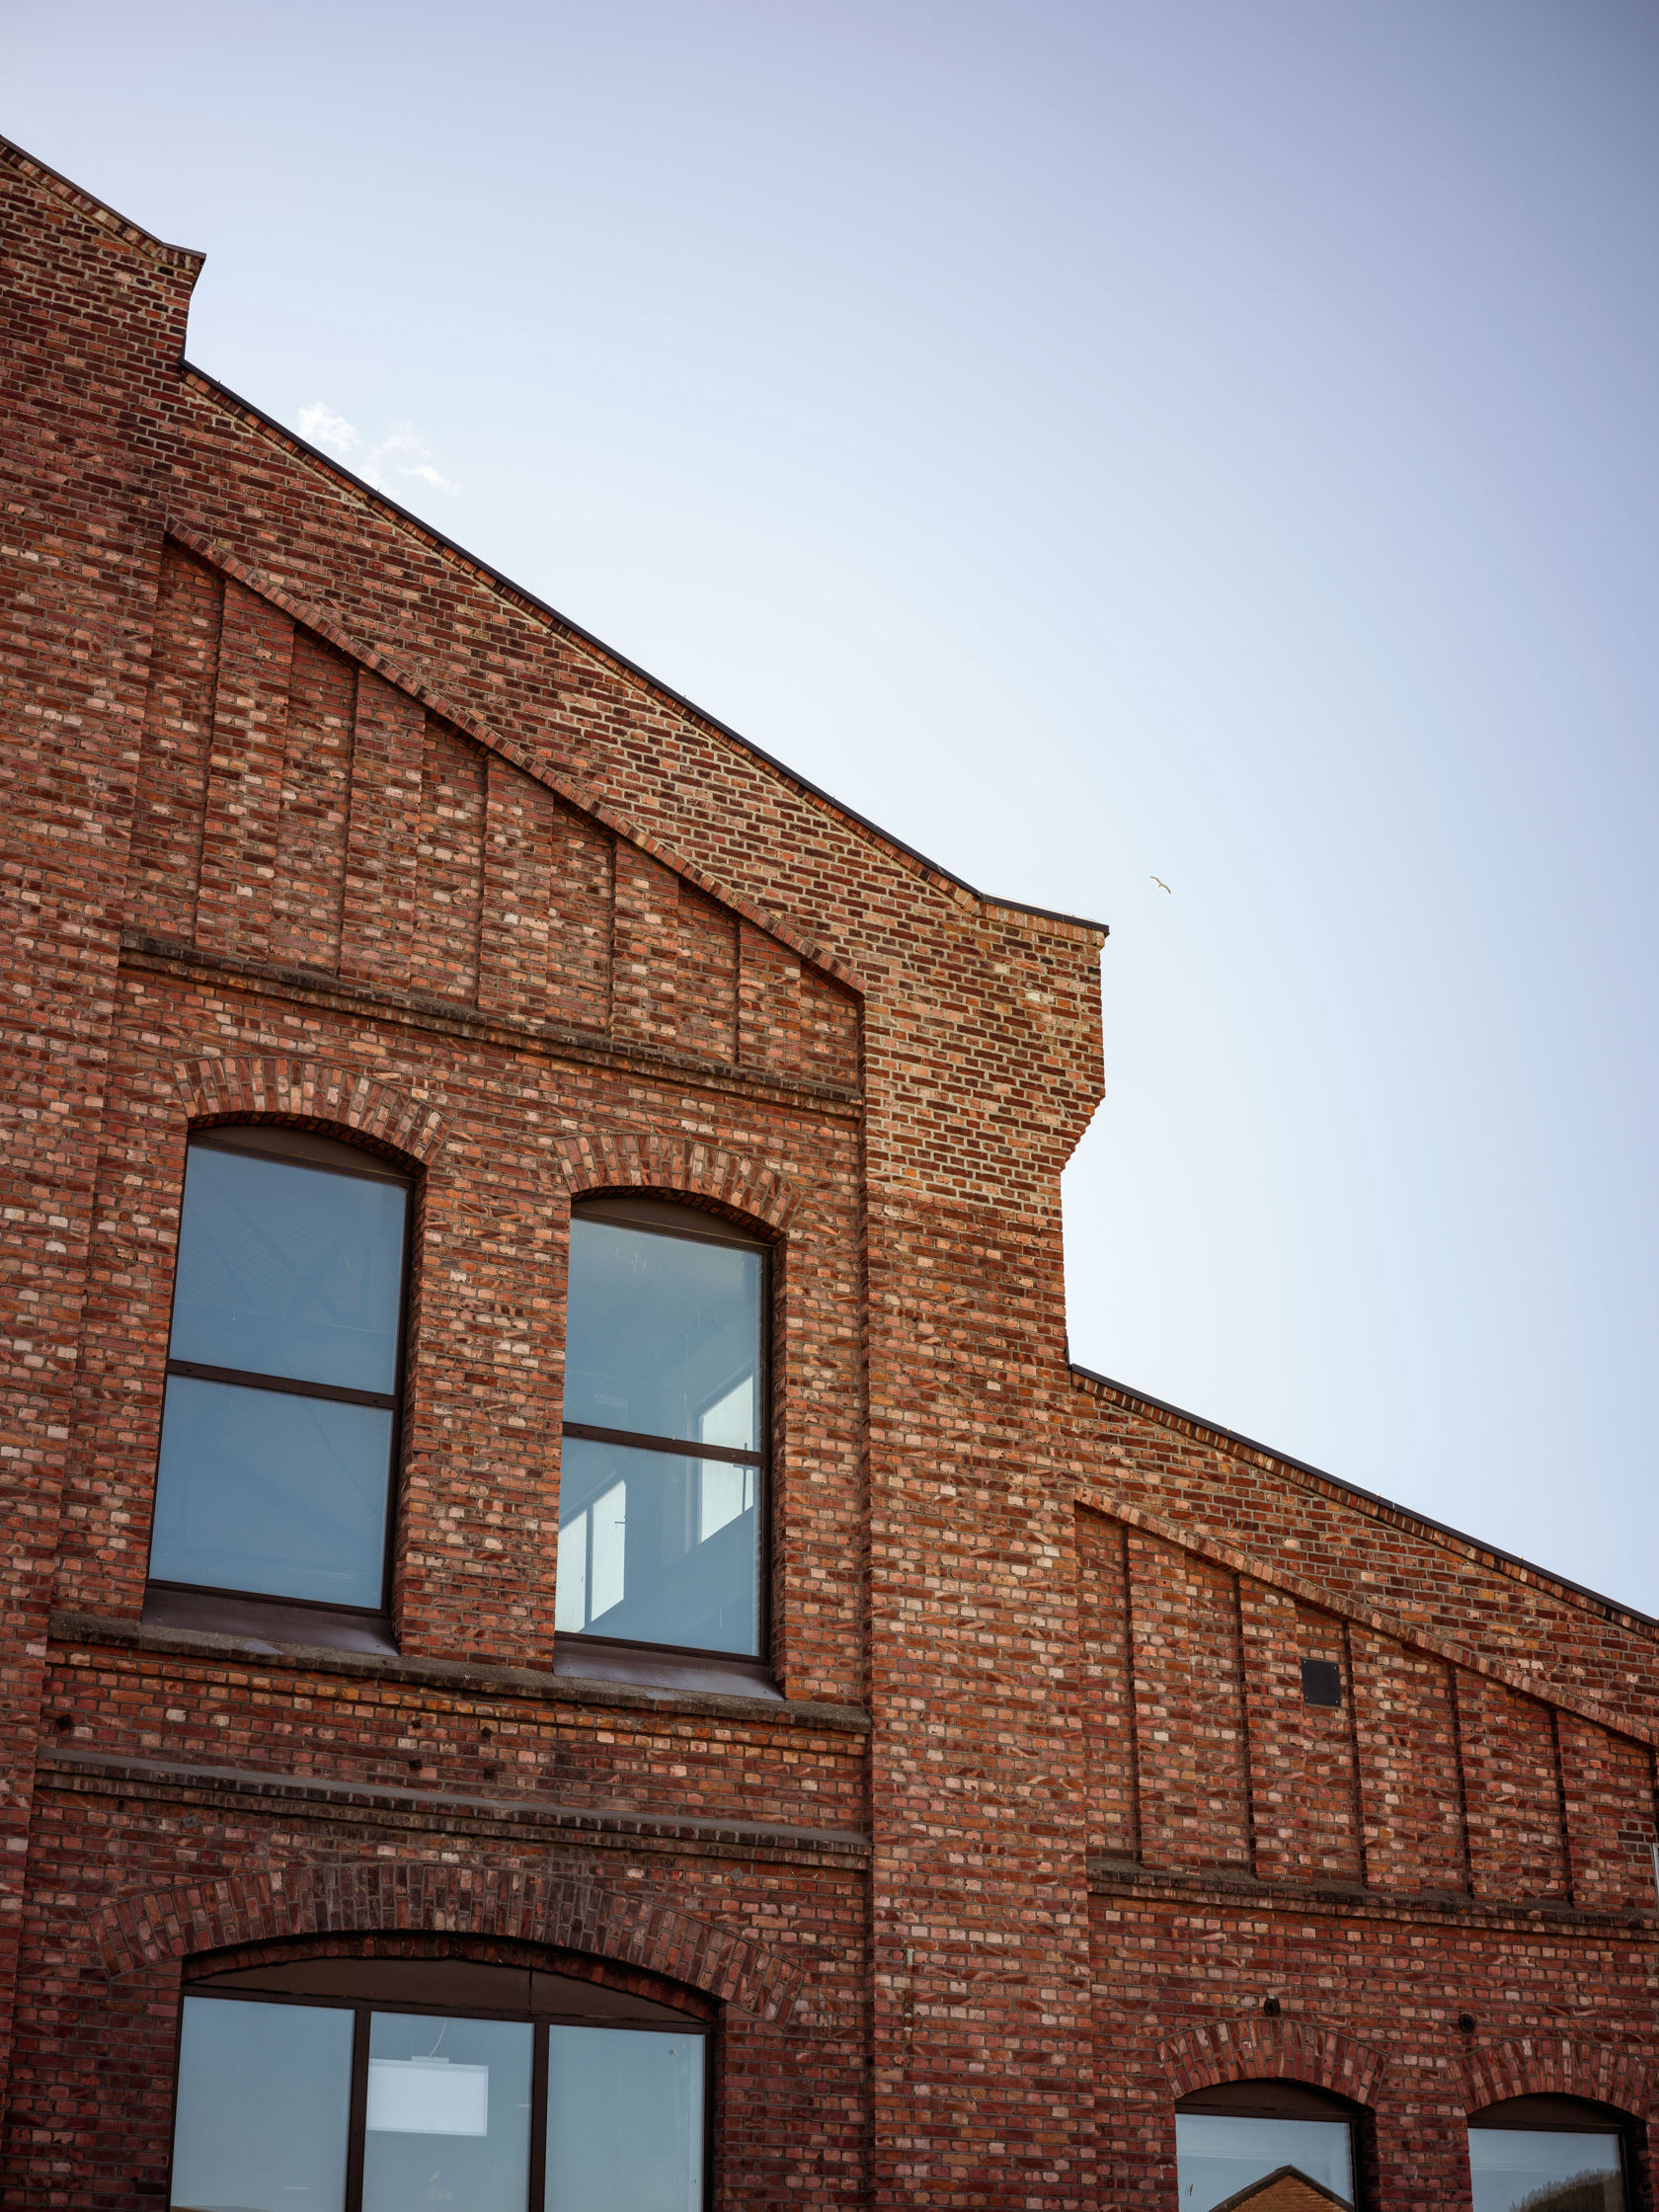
[
  {"x": 286, "y": 2105},
  {"x": 1547, "y": 2153},
  {"x": 1249, "y": 2138}
]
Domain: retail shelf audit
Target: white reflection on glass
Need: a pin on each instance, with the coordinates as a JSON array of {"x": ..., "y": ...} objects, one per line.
[
  {"x": 265, "y": 2096},
  {"x": 448, "y": 2114},
  {"x": 1218, "y": 2154},
  {"x": 1544, "y": 2171},
  {"x": 657, "y": 1548}
]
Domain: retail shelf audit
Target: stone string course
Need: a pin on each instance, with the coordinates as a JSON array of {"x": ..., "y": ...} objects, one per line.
[{"x": 305, "y": 815}]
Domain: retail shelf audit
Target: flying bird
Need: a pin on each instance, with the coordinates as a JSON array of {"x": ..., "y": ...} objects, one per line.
[{"x": 1162, "y": 886}]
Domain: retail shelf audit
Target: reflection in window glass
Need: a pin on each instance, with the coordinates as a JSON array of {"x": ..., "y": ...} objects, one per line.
[
  {"x": 1544, "y": 2171},
  {"x": 658, "y": 1548},
  {"x": 1218, "y": 2154},
  {"x": 266, "y": 1491},
  {"x": 624, "y": 2121},
  {"x": 292, "y": 1270},
  {"x": 664, "y": 1336},
  {"x": 263, "y": 2101},
  {"x": 448, "y": 2114}
]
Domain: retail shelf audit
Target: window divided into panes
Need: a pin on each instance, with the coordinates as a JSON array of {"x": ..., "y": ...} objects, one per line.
[
  {"x": 1547, "y": 2154},
  {"x": 1239, "y": 2134},
  {"x": 381, "y": 2086},
  {"x": 279, "y": 1436},
  {"x": 661, "y": 1495}
]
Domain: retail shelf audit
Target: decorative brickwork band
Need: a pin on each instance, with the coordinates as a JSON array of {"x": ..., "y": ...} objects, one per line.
[
  {"x": 610, "y": 1160},
  {"x": 1556, "y": 2066},
  {"x": 1254, "y": 2051},
  {"x": 355, "y": 1898},
  {"x": 312, "y": 1092}
]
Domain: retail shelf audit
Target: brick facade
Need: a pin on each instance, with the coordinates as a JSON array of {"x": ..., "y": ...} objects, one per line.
[{"x": 308, "y": 817}]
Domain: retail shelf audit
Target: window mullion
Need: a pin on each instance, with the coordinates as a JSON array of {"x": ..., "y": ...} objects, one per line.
[
  {"x": 357, "y": 2126},
  {"x": 538, "y": 2120}
]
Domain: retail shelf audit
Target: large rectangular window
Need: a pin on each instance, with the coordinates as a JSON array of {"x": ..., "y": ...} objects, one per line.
[
  {"x": 381, "y": 2108},
  {"x": 661, "y": 1494},
  {"x": 284, "y": 1369}
]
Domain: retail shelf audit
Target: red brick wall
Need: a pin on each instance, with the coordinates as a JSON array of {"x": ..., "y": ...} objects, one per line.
[{"x": 398, "y": 853}]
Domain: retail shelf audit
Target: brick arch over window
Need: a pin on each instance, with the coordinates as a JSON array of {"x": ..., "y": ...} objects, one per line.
[
  {"x": 1556, "y": 2066},
  {"x": 317, "y": 1093},
  {"x": 1255, "y": 2050},
  {"x": 358, "y": 1898},
  {"x": 612, "y": 1161}
]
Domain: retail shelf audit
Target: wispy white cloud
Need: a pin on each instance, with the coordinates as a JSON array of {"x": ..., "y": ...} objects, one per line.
[{"x": 403, "y": 456}]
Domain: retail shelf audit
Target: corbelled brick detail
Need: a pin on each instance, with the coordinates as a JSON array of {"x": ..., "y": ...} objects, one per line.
[
  {"x": 621, "y": 1160},
  {"x": 345, "y": 1897},
  {"x": 312, "y": 1094},
  {"x": 1263, "y": 2050},
  {"x": 1558, "y": 2066}
]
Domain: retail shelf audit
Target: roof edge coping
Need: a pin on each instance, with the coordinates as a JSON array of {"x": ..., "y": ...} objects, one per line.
[
  {"x": 188, "y": 259},
  {"x": 931, "y": 870},
  {"x": 1512, "y": 1561}
]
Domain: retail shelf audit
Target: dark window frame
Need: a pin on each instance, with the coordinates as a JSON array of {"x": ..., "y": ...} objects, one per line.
[
  {"x": 579, "y": 1652},
  {"x": 539, "y": 2019},
  {"x": 1281, "y": 2098},
  {"x": 218, "y": 1607}
]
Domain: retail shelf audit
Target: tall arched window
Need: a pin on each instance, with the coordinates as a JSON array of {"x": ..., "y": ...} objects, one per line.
[
  {"x": 377, "y": 2085},
  {"x": 663, "y": 1486},
  {"x": 1244, "y": 2142},
  {"x": 285, "y": 1370},
  {"x": 1548, "y": 2153}
]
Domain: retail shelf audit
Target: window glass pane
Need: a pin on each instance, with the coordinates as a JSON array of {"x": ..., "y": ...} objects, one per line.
[
  {"x": 657, "y": 1548},
  {"x": 261, "y": 1492},
  {"x": 664, "y": 1336},
  {"x": 1218, "y": 2154},
  {"x": 1543, "y": 2171},
  {"x": 624, "y": 2121},
  {"x": 448, "y": 2114},
  {"x": 289, "y": 1270},
  {"x": 265, "y": 2096}
]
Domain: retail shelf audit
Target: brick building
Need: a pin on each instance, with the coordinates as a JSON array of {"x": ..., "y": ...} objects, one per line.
[{"x": 571, "y": 1633}]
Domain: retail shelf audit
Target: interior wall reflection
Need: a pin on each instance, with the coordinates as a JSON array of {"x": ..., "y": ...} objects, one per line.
[{"x": 662, "y": 1462}]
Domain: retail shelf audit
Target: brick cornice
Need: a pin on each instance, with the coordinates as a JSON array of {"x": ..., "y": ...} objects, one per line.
[
  {"x": 1558, "y": 2066},
  {"x": 576, "y": 791},
  {"x": 322, "y": 1094},
  {"x": 1255, "y": 2049},
  {"x": 1273, "y": 1577},
  {"x": 344, "y": 1897}
]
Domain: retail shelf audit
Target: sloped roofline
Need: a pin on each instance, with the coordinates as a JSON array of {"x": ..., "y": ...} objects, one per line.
[
  {"x": 188, "y": 259},
  {"x": 543, "y": 609},
  {"x": 1201, "y": 1429}
]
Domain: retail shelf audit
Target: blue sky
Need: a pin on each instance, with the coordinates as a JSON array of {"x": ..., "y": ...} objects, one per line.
[{"x": 1204, "y": 441}]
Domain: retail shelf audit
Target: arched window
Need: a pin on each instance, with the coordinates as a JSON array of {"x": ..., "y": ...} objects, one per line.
[
  {"x": 376, "y": 2084},
  {"x": 1548, "y": 2153},
  {"x": 285, "y": 1371},
  {"x": 662, "y": 1484},
  {"x": 1249, "y": 2144}
]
